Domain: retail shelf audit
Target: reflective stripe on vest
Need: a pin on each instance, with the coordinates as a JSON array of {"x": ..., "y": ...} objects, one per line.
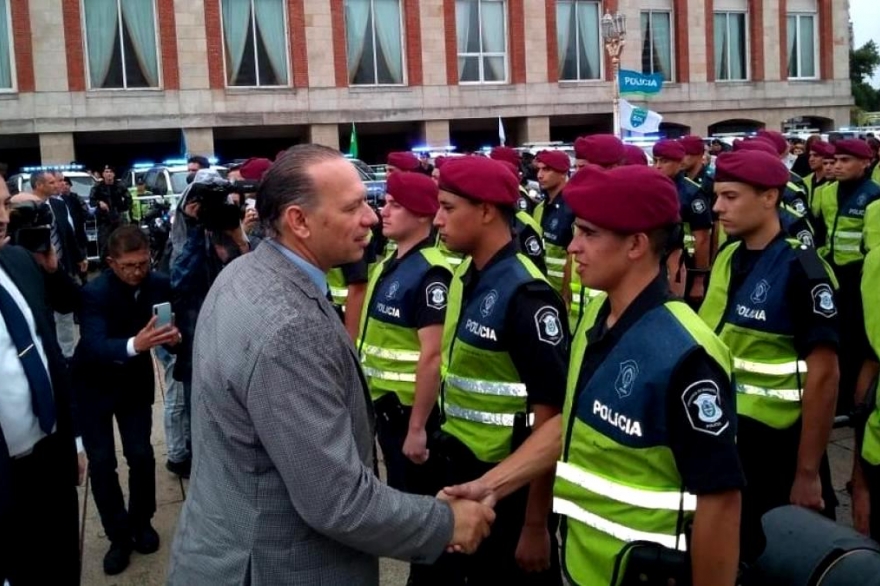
[
  {"x": 792, "y": 395},
  {"x": 484, "y": 387},
  {"x": 498, "y": 419},
  {"x": 622, "y": 493},
  {"x": 388, "y": 354},
  {"x": 615, "y": 530},
  {"x": 399, "y": 377},
  {"x": 847, "y": 241},
  {"x": 454, "y": 260},
  {"x": 771, "y": 369},
  {"x": 335, "y": 292},
  {"x": 555, "y": 263}
]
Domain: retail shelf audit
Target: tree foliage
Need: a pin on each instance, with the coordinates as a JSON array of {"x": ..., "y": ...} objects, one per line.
[{"x": 863, "y": 62}]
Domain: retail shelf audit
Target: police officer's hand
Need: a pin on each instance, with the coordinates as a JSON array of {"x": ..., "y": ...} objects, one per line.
[
  {"x": 807, "y": 491},
  {"x": 861, "y": 505},
  {"x": 415, "y": 446},
  {"x": 533, "y": 549},
  {"x": 472, "y": 523},
  {"x": 103, "y": 206},
  {"x": 475, "y": 490}
]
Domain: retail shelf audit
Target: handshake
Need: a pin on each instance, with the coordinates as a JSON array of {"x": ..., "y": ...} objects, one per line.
[{"x": 471, "y": 505}]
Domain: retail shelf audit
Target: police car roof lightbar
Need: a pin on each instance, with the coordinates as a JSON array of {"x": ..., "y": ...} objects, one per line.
[
  {"x": 143, "y": 165},
  {"x": 428, "y": 149},
  {"x": 35, "y": 169}
]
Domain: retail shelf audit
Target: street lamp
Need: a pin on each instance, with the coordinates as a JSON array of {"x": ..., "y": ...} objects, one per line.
[{"x": 614, "y": 35}]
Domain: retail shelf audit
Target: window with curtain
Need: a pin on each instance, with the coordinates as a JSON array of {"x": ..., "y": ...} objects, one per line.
[
  {"x": 481, "y": 30},
  {"x": 579, "y": 40},
  {"x": 802, "y": 46},
  {"x": 374, "y": 40},
  {"x": 121, "y": 44},
  {"x": 6, "y": 71},
  {"x": 657, "y": 43},
  {"x": 731, "y": 46},
  {"x": 255, "y": 43}
]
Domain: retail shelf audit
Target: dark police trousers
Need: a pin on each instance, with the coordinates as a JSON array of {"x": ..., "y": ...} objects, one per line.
[
  {"x": 494, "y": 562},
  {"x": 135, "y": 424},
  {"x": 39, "y": 541}
]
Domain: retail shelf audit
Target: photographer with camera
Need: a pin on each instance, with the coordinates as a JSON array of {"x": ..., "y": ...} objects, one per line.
[
  {"x": 207, "y": 235},
  {"x": 111, "y": 202}
]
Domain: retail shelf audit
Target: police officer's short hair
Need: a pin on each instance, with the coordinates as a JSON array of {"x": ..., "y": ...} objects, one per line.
[
  {"x": 199, "y": 160},
  {"x": 288, "y": 182},
  {"x": 666, "y": 239},
  {"x": 38, "y": 177}
]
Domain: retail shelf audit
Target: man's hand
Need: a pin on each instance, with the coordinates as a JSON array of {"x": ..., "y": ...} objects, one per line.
[
  {"x": 102, "y": 205},
  {"x": 192, "y": 209},
  {"x": 533, "y": 549},
  {"x": 698, "y": 288},
  {"x": 83, "y": 465},
  {"x": 472, "y": 524},
  {"x": 47, "y": 260},
  {"x": 861, "y": 506},
  {"x": 251, "y": 220},
  {"x": 475, "y": 490},
  {"x": 151, "y": 336},
  {"x": 807, "y": 491},
  {"x": 415, "y": 446},
  {"x": 83, "y": 266}
]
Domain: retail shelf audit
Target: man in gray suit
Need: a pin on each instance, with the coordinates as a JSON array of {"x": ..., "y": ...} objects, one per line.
[{"x": 283, "y": 489}]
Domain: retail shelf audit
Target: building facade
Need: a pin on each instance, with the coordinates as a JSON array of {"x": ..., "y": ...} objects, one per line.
[{"x": 82, "y": 79}]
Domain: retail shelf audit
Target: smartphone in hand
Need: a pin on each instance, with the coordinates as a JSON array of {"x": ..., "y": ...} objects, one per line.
[{"x": 163, "y": 314}]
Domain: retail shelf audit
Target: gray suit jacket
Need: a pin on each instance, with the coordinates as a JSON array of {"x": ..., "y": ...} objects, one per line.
[{"x": 282, "y": 489}]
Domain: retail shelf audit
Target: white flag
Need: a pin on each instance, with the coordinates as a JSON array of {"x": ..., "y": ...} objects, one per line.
[
  {"x": 636, "y": 119},
  {"x": 502, "y": 137}
]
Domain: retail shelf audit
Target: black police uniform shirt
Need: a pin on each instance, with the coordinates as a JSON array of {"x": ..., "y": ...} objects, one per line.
[
  {"x": 557, "y": 222},
  {"x": 538, "y": 349},
  {"x": 529, "y": 243},
  {"x": 708, "y": 463},
  {"x": 428, "y": 309},
  {"x": 695, "y": 207}
]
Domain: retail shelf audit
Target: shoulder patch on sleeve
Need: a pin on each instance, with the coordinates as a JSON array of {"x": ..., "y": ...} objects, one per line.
[
  {"x": 698, "y": 205},
  {"x": 702, "y": 404},
  {"x": 823, "y": 300},
  {"x": 436, "y": 295},
  {"x": 548, "y": 325}
]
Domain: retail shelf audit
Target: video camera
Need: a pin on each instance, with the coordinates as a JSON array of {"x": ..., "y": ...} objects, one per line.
[
  {"x": 216, "y": 211},
  {"x": 30, "y": 225}
]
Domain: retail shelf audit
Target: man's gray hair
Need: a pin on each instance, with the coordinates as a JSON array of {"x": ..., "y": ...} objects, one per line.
[
  {"x": 288, "y": 182},
  {"x": 38, "y": 177}
]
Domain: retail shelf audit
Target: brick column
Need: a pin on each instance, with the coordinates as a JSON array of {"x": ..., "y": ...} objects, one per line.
[
  {"x": 516, "y": 33},
  {"x": 682, "y": 48},
  {"x": 340, "y": 56},
  {"x": 56, "y": 148},
  {"x": 709, "y": 27},
  {"x": 826, "y": 40},
  {"x": 199, "y": 141},
  {"x": 534, "y": 128},
  {"x": 73, "y": 44},
  {"x": 435, "y": 133},
  {"x": 756, "y": 38},
  {"x": 325, "y": 134},
  {"x": 168, "y": 44},
  {"x": 299, "y": 58},
  {"x": 413, "y": 35},
  {"x": 783, "y": 39},
  {"x": 451, "y": 42},
  {"x": 214, "y": 36},
  {"x": 21, "y": 40},
  {"x": 552, "y": 43}
]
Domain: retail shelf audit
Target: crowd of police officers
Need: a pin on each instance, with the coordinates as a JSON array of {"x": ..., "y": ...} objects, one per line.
[{"x": 647, "y": 359}]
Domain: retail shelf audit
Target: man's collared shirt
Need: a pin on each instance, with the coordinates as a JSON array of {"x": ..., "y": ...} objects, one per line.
[{"x": 315, "y": 274}]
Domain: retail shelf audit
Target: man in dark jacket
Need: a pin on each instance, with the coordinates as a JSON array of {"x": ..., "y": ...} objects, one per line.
[
  {"x": 111, "y": 202},
  {"x": 114, "y": 375}
]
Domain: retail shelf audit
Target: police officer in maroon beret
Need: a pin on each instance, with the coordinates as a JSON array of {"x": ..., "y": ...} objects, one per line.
[
  {"x": 771, "y": 300},
  {"x": 556, "y": 219},
  {"x": 528, "y": 197},
  {"x": 819, "y": 151},
  {"x": 604, "y": 150},
  {"x": 401, "y": 161},
  {"x": 505, "y": 351},
  {"x": 696, "y": 215},
  {"x": 843, "y": 207}
]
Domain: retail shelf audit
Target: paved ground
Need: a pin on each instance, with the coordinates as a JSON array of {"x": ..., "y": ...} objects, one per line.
[{"x": 171, "y": 491}]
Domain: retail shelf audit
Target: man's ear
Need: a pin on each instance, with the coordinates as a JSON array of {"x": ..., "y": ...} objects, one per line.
[{"x": 295, "y": 219}]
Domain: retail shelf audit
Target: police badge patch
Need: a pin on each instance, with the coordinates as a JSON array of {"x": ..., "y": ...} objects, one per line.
[
  {"x": 698, "y": 205},
  {"x": 392, "y": 290},
  {"x": 488, "y": 303},
  {"x": 533, "y": 247},
  {"x": 799, "y": 207},
  {"x": 548, "y": 325},
  {"x": 702, "y": 404},
  {"x": 436, "y": 295},
  {"x": 759, "y": 295},
  {"x": 823, "y": 301},
  {"x": 626, "y": 378},
  {"x": 806, "y": 238}
]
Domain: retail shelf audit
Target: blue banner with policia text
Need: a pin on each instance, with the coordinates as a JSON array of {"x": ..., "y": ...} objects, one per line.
[{"x": 633, "y": 83}]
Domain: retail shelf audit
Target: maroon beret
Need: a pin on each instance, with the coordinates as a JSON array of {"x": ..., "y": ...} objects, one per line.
[
  {"x": 626, "y": 200},
  {"x": 440, "y": 161},
  {"x": 854, "y": 147},
  {"x": 403, "y": 160},
  {"x": 756, "y": 168},
  {"x": 605, "y": 150},
  {"x": 415, "y": 191},
  {"x": 778, "y": 141},
  {"x": 668, "y": 149},
  {"x": 253, "y": 169},
  {"x": 693, "y": 145},
  {"x": 480, "y": 179},
  {"x": 556, "y": 160},
  {"x": 824, "y": 149},
  {"x": 754, "y": 144},
  {"x": 503, "y": 153},
  {"x": 634, "y": 155}
]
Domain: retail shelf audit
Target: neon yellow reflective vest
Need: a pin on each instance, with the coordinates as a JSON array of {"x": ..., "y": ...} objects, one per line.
[
  {"x": 759, "y": 330},
  {"x": 388, "y": 343},
  {"x": 846, "y": 221},
  {"x": 482, "y": 391},
  {"x": 871, "y": 299},
  {"x": 617, "y": 480},
  {"x": 557, "y": 226}
]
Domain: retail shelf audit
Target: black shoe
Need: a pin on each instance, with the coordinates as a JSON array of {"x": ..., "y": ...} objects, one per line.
[
  {"x": 117, "y": 557},
  {"x": 182, "y": 469},
  {"x": 146, "y": 540}
]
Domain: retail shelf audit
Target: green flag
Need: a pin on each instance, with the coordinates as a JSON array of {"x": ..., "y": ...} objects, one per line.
[{"x": 353, "y": 143}]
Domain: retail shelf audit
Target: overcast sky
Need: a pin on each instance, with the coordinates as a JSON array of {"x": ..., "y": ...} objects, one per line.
[{"x": 865, "y": 15}]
